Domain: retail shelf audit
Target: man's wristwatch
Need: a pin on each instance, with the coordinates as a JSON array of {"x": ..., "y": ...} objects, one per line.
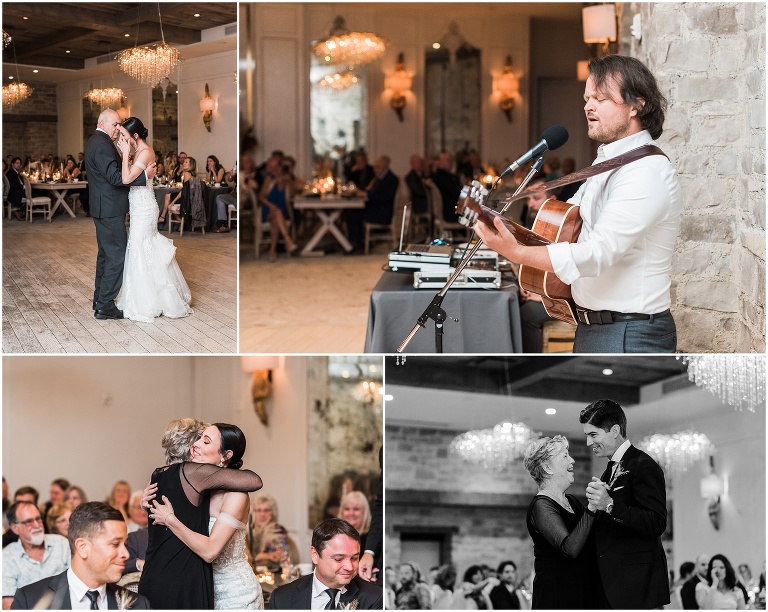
[{"x": 609, "y": 507}]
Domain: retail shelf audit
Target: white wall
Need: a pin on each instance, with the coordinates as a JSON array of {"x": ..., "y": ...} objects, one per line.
[
  {"x": 283, "y": 33},
  {"x": 218, "y": 70},
  {"x": 56, "y": 422}
]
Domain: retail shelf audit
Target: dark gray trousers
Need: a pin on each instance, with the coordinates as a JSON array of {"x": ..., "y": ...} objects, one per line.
[
  {"x": 112, "y": 239},
  {"x": 655, "y": 335}
]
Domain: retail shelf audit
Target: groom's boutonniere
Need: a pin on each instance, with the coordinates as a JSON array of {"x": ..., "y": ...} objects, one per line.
[
  {"x": 125, "y": 600},
  {"x": 618, "y": 472},
  {"x": 350, "y": 605}
]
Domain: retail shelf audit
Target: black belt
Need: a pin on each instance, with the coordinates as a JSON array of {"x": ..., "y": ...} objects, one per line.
[{"x": 605, "y": 317}]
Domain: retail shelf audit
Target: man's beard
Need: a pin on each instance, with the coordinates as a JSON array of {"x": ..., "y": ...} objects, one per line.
[{"x": 37, "y": 539}]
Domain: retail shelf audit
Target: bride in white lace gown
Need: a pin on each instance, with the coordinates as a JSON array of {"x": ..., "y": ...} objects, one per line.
[
  {"x": 235, "y": 586},
  {"x": 152, "y": 281}
]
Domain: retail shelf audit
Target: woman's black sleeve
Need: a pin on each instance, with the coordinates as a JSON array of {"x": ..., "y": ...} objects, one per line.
[{"x": 549, "y": 523}]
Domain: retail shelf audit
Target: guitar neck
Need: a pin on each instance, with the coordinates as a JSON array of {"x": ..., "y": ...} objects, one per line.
[{"x": 522, "y": 234}]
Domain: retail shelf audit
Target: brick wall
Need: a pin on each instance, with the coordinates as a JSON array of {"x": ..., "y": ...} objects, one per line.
[
  {"x": 710, "y": 61},
  {"x": 32, "y": 138},
  {"x": 428, "y": 487}
]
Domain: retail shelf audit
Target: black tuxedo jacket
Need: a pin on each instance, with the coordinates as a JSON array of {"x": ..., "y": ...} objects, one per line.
[
  {"x": 633, "y": 566},
  {"x": 381, "y": 199},
  {"x": 297, "y": 595},
  {"x": 16, "y": 187},
  {"x": 107, "y": 196},
  {"x": 53, "y": 594}
]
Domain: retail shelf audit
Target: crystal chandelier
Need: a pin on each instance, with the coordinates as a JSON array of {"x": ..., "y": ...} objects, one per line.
[
  {"x": 738, "y": 380},
  {"x": 150, "y": 65},
  {"x": 105, "y": 98},
  {"x": 345, "y": 48},
  {"x": 494, "y": 448},
  {"x": 6, "y": 39},
  {"x": 677, "y": 453},
  {"x": 338, "y": 81},
  {"x": 15, "y": 93}
]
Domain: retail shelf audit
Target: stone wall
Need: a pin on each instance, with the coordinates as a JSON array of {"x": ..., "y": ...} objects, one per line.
[
  {"x": 29, "y": 137},
  {"x": 710, "y": 61},
  {"x": 429, "y": 488}
]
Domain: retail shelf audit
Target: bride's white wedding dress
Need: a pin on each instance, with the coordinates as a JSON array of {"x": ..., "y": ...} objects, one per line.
[
  {"x": 235, "y": 586},
  {"x": 152, "y": 281}
]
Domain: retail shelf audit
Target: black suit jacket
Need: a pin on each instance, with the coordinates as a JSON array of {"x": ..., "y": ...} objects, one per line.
[
  {"x": 107, "y": 196},
  {"x": 450, "y": 189},
  {"x": 297, "y": 595},
  {"x": 375, "y": 531},
  {"x": 381, "y": 199},
  {"x": 136, "y": 544},
  {"x": 415, "y": 182},
  {"x": 633, "y": 566},
  {"x": 688, "y": 593},
  {"x": 16, "y": 187},
  {"x": 53, "y": 594},
  {"x": 502, "y": 599}
]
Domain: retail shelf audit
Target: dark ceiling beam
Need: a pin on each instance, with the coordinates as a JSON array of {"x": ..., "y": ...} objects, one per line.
[
  {"x": 146, "y": 12},
  {"x": 54, "y": 61},
  {"x": 55, "y": 12},
  {"x": 68, "y": 35}
]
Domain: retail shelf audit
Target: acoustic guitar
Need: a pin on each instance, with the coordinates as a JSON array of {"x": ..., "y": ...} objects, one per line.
[{"x": 555, "y": 222}]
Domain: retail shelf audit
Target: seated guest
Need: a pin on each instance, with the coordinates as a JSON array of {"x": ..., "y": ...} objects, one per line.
[
  {"x": 361, "y": 173},
  {"x": 36, "y": 555},
  {"x": 720, "y": 591},
  {"x": 275, "y": 160},
  {"x": 506, "y": 596},
  {"x": 16, "y": 191},
  {"x": 6, "y": 504},
  {"x": 269, "y": 539},
  {"x": 57, "y": 519},
  {"x": 355, "y": 509},
  {"x": 214, "y": 171},
  {"x": 74, "y": 496},
  {"x": 81, "y": 165},
  {"x": 136, "y": 544},
  {"x": 379, "y": 204},
  {"x": 172, "y": 167},
  {"x": 160, "y": 167},
  {"x": 472, "y": 594},
  {"x": 275, "y": 195},
  {"x": 71, "y": 171},
  {"x": 449, "y": 185},
  {"x": 223, "y": 200},
  {"x": 97, "y": 542},
  {"x": 27, "y": 494},
  {"x": 687, "y": 569},
  {"x": 137, "y": 516},
  {"x": 334, "y": 584},
  {"x": 119, "y": 496},
  {"x": 56, "y": 494},
  {"x": 415, "y": 181},
  {"x": 688, "y": 590},
  {"x": 414, "y": 593},
  {"x": 189, "y": 201}
]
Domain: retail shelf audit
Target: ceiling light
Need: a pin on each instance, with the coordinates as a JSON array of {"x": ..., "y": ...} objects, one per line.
[
  {"x": 346, "y": 48},
  {"x": 68, "y": 51},
  {"x": 607, "y": 371},
  {"x": 35, "y": 71},
  {"x": 736, "y": 380},
  {"x": 105, "y": 98},
  {"x": 10, "y": 77},
  {"x": 196, "y": 15},
  {"x": 150, "y": 65},
  {"x": 494, "y": 448},
  {"x": 678, "y": 452},
  {"x": 127, "y": 35},
  {"x": 551, "y": 411},
  {"x": 435, "y": 45},
  {"x": 25, "y": 18},
  {"x": 388, "y": 398}
]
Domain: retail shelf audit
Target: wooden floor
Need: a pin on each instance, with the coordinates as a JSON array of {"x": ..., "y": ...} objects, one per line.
[
  {"x": 307, "y": 304},
  {"x": 48, "y": 271}
]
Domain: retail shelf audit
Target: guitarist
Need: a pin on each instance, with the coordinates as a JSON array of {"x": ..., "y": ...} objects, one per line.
[{"x": 619, "y": 268}]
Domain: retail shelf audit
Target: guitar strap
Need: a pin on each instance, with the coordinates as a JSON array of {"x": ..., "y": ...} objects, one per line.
[{"x": 590, "y": 171}]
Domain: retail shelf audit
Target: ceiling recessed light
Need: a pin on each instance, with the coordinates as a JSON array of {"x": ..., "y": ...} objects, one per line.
[
  {"x": 607, "y": 371},
  {"x": 435, "y": 45},
  {"x": 68, "y": 51},
  {"x": 196, "y": 15},
  {"x": 25, "y": 17},
  {"x": 388, "y": 398},
  {"x": 127, "y": 35},
  {"x": 551, "y": 411},
  {"x": 35, "y": 71},
  {"x": 10, "y": 78},
  {"x": 345, "y": 374}
]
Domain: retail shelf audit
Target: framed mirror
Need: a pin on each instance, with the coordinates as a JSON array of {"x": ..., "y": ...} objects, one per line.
[{"x": 165, "y": 117}]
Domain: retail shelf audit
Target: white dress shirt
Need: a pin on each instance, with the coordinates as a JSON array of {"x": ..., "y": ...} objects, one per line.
[
  {"x": 320, "y": 598},
  {"x": 622, "y": 260},
  {"x": 78, "y": 589}
]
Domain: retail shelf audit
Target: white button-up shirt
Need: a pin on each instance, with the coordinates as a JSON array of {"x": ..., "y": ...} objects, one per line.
[
  {"x": 622, "y": 260},
  {"x": 320, "y": 598},
  {"x": 78, "y": 590},
  {"x": 19, "y": 569}
]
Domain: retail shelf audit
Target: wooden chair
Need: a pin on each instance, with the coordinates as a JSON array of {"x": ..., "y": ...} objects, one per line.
[
  {"x": 436, "y": 204},
  {"x": 231, "y": 215},
  {"x": 263, "y": 229},
  {"x": 175, "y": 216},
  {"x": 558, "y": 337},
  {"x": 36, "y": 205},
  {"x": 389, "y": 232}
]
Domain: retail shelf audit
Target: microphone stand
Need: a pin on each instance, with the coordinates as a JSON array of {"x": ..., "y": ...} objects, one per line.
[{"x": 434, "y": 311}]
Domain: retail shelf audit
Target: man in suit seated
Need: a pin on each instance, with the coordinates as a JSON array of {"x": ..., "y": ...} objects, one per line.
[
  {"x": 97, "y": 535},
  {"x": 16, "y": 192},
  {"x": 449, "y": 185},
  {"x": 379, "y": 205},
  {"x": 335, "y": 552}
]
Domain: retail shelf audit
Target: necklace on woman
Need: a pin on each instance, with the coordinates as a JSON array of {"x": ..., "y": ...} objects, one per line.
[{"x": 560, "y": 499}]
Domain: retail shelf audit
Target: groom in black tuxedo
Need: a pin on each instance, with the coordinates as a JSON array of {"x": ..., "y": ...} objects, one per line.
[
  {"x": 334, "y": 585},
  {"x": 631, "y": 501},
  {"x": 108, "y": 200},
  {"x": 97, "y": 534}
]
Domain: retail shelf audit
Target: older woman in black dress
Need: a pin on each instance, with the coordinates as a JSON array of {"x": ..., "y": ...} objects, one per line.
[{"x": 565, "y": 563}]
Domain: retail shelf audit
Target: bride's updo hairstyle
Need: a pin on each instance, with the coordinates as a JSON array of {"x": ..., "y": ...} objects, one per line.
[
  {"x": 539, "y": 453},
  {"x": 232, "y": 439},
  {"x": 134, "y": 126}
]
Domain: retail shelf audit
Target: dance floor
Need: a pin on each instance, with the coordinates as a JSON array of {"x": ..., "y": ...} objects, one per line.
[
  {"x": 48, "y": 271},
  {"x": 306, "y": 304}
]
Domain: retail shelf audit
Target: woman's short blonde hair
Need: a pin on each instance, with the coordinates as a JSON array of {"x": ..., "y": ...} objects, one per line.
[
  {"x": 356, "y": 497},
  {"x": 178, "y": 437},
  {"x": 538, "y": 453},
  {"x": 265, "y": 498}
]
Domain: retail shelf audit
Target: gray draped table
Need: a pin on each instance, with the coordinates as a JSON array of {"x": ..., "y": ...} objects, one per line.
[{"x": 489, "y": 320}]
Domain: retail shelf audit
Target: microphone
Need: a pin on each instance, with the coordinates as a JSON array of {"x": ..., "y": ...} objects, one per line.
[{"x": 552, "y": 138}]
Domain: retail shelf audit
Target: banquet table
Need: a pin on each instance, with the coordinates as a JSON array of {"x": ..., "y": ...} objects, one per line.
[
  {"x": 328, "y": 210},
  {"x": 489, "y": 320},
  {"x": 59, "y": 190}
]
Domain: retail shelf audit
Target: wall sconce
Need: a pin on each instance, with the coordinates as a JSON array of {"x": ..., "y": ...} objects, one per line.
[
  {"x": 207, "y": 105},
  {"x": 399, "y": 82},
  {"x": 508, "y": 86},
  {"x": 599, "y": 24},
  {"x": 582, "y": 70},
  {"x": 261, "y": 385},
  {"x": 711, "y": 488}
]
